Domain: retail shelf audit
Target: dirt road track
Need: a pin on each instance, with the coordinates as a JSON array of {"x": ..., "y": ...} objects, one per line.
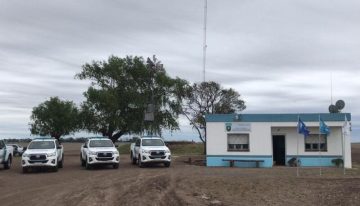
[{"x": 181, "y": 184}]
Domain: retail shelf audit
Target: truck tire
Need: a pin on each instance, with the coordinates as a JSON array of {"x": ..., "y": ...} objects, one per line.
[
  {"x": 7, "y": 164},
  {"x": 61, "y": 163},
  {"x": 167, "y": 164},
  {"x": 115, "y": 166},
  {"x": 82, "y": 161},
  {"x": 133, "y": 160},
  {"x": 140, "y": 164},
  {"x": 55, "y": 169},
  {"x": 87, "y": 165}
]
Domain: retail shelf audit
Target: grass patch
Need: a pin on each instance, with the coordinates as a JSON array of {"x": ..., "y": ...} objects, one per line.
[
  {"x": 124, "y": 148},
  {"x": 186, "y": 148},
  {"x": 176, "y": 148}
]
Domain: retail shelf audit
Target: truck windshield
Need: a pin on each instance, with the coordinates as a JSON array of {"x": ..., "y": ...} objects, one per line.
[
  {"x": 152, "y": 142},
  {"x": 42, "y": 145},
  {"x": 101, "y": 143}
]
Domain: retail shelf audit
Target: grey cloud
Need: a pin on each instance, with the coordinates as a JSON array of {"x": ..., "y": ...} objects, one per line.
[{"x": 278, "y": 54}]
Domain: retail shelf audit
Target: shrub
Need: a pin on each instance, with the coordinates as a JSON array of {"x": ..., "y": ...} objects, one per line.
[{"x": 338, "y": 162}]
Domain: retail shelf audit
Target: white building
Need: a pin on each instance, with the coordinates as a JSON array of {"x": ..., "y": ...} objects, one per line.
[{"x": 273, "y": 139}]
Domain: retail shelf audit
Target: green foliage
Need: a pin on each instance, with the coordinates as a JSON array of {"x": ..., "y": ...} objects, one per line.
[
  {"x": 54, "y": 117},
  {"x": 338, "y": 162},
  {"x": 209, "y": 98},
  {"x": 120, "y": 92}
]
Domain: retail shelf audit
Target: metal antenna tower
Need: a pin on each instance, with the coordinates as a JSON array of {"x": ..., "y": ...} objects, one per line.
[{"x": 204, "y": 43}]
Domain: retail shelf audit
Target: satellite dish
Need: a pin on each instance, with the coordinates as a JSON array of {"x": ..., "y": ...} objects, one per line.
[
  {"x": 333, "y": 109},
  {"x": 340, "y": 104}
]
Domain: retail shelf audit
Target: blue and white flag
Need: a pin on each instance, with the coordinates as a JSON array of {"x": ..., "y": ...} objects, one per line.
[
  {"x": 302, "y": 129},
  {"x": 324, "y": 129}
]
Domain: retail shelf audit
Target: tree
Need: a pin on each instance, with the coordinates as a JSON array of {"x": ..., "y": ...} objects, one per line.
[
  {"x": 54, "y": 117},
  {"x": 122, "y": 90},
  {"x": 209, "y": 98}
]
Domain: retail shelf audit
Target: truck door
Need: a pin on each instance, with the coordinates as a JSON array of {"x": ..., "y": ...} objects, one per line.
[
  {"x": 137, "y": 147},
  {"x": 2, "y": 151},
  {"x": 59, "y": 150},
  {"x": 84, "y": 149}
]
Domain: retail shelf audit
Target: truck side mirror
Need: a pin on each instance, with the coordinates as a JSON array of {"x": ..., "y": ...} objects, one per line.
[
  {"x": 24, "y": 148},
  {"x": 59, "y": 147},
  {"x": 85, "y": 146},
  {"x": 116, "y": 145}
]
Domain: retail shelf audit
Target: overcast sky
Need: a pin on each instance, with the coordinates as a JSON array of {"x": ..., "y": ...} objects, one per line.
[{"x": 279, "y": 55}]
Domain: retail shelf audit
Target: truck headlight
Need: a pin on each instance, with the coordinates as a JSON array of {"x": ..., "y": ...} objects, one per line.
[
  {"x": 51, "y": 154},
  {"x": 25, "y": 155},
  {"x": 92, "y": 153},
  {"x": 145, "y": 151},
  {"x": 116, "y": 152},
  {"x": 167, "y": 151}
]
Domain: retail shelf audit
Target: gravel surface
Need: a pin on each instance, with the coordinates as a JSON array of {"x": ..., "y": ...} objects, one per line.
[{"x": 181, "y": 184}]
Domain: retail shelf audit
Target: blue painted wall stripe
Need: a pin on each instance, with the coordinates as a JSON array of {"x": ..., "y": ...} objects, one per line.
[
  {"x": 316, "y": 162},
  {"x": 217, "y": 161},
  {"x": 314, "y": 156},
  {"x": 306, "y": 161}
]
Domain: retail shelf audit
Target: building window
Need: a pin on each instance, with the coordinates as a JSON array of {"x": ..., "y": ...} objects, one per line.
[
  {"x": 238, "y": 142},
  {"x": 312, "y": 143}
]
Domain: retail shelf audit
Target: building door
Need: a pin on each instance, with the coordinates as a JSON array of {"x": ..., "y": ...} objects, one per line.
[{"x": 279, "y": 149}]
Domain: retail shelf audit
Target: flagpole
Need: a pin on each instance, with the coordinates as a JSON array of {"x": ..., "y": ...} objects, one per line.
[
  {"x": 297, "y": 151},
  {"x": 342, "y": 147},
  {"x": 319, "y": 144},
  {"x": 343, "y": 142}
]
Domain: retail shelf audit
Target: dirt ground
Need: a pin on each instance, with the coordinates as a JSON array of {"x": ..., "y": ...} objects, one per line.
[{"x": 181, "y": 184}]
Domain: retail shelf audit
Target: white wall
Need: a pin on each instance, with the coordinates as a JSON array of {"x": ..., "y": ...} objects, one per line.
[
  {"x": 260, "y": 139},
  {"x": 291, "y": 136}
]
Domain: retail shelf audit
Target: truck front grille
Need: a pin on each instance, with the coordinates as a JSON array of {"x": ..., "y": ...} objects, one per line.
[
  {"x": 37, "y": 161},
  {"x": 157, "y": 153},
  {"x": 36, "y": 157},
  {"x": 104, "y": 154},
  {"x": 104, "y": 158}
]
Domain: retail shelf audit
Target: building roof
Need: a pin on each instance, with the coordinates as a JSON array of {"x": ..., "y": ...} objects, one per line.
[{"x": 308, "y": 117}]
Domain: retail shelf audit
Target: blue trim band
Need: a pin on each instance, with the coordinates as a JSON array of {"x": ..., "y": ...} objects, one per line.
[
  {"x": 314, "y": 156},
  {"x": 306, "y": 160},
  {"x": 308, "y": 117},
  {"x": 217, "y": 160},
  {"x": 315, "y": 161},
  {"x": 246, "y": 156}
]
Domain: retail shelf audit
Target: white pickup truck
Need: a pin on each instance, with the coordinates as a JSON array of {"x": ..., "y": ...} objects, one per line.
[
  {"x": 6, "y": 154},
  {"x": 43, "y": 152},
  {"x": 99, "y": 151},
  {"x": 148, "y": 150}
]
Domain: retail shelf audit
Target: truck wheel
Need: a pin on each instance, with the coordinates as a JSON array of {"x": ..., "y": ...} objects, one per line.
[
  {"x": 7, "y": 164},
  {"x": 56, "y": 168},
  {"x": 133, "y": 160},
  {"x": 61, "y": 163},
  {"x": 140, "y": 164},
  {"x": 82, "y": 161},
  {"x": 87, "y": 165},
  {"x": 167, "y": 164},
  {"x": 25, "y": 170},
  {"x": 115, "y": 166}
]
